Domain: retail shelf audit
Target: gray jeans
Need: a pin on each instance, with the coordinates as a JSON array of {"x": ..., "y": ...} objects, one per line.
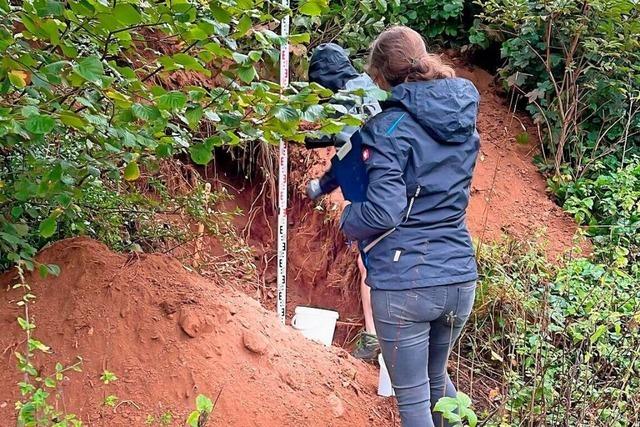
[{"x": 417, "y": 329}]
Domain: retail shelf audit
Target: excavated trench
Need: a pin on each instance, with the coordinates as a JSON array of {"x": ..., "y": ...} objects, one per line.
[{"x": 322, "y": 269}]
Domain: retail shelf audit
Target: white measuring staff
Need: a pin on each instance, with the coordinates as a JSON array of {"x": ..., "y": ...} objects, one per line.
[{"x": 282, "y": 179}]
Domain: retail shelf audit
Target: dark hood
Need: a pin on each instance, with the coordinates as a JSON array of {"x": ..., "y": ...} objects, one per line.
[
  {"x": 446, "y": 108},
  {"x": 330, "y": 67}
]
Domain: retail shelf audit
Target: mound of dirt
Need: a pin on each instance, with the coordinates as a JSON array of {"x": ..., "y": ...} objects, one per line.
[{"x": 170, "y": 335}]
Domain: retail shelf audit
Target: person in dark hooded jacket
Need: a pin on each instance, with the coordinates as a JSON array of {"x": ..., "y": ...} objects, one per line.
[
  {"x": 420, "y": 152},
  {"x": 330, "y": 67}
]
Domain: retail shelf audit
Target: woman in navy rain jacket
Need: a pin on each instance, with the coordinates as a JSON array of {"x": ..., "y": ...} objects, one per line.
[{"x": 420, "y": 153}]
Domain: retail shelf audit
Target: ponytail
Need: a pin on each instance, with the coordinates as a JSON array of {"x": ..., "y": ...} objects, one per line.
[
  {"x": 428, "y": 67},
  {"x": 399, "y": 55}
]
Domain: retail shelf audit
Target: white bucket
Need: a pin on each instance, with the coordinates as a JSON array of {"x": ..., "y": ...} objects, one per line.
[
  {"x": 316, "y": 324},
  {"x": 384, "y": 382}
]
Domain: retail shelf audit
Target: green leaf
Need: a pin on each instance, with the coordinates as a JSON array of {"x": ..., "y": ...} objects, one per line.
[
  {"x": 192, "y": 420},
  {"x": 204, "y": 404},
  {"x": 188, "y": 62},
  {"x": 244, "y": 25},
  {"x": 446, "y": 405},
  {"x": 131, "y": 171},
  {"x": 255, "y": 55},
  {"x": 44, "y": 272},
  {"x": 300, "y": 38},
  {"x": 18, "y": 78},
  {"x": 145, "y": 112},
  {"x": 40, "y": 124},
  {"x": 240, "y": 58},
  {"x": 201, "y": 154},
  {"x": 245, "y": 4},
  {"x": 522, "y": 138},
  {"x": 172, "y": 101},
  {"x": 48, "y": 227},
  {"x": 312, "y": 7},
  {"x": 313, "y": 113},
  {"x": 90, "y": 68},
  {"x": 285, "y": 113},
  {"x": 193, "y": 115},
  {"x": 598, "y": 333},
  {"x": 219, "y": 13},
  {"x": 53, "y": 269},
  {"x": 463, "y": 399},
  {"x": 217, "y": 50},
  {"x": 48, "y": 7},
  {"x": 72, "y": 119},
  {"x": 247, "y": 73},
  {"x": 164, "y": 150},
  {"x": 126, "y": 14},
  {"x": 472, "y": 418}
]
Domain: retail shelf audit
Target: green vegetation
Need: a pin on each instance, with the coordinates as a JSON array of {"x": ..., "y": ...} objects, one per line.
[
  {"x": 89, "y": 111},
  {"x": 91, "y": 120},
  {"x": 561, "y": 340},
  {"x": 39, "y": 391},
  {"x": 204, "y": 408},
  {"x": 457, "y": 410},
  {"x": 577, "y": 64}
]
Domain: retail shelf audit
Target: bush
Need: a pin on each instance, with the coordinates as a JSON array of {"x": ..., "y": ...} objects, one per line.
[
  {"x": 563, "y": 340},
  {"x": 577, "y": 64},
  {"x": 609, "y": 205},
  {"x": 89, "y": 107},
  {"x": 438, "y": 21}
]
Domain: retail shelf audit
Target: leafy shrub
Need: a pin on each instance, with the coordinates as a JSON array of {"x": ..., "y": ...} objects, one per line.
[
  {"x": 353, "y": 24},
  {"x": 577, "y": 64},
  {"x": 609, "y": 205},
  {"x": 563, "y": 339},
  {"x": 440, "y": 20},
  {"x": 89, "y": 107}
]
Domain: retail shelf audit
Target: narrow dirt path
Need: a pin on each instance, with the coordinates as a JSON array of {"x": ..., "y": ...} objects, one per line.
[{"x": 509, "y": 194}]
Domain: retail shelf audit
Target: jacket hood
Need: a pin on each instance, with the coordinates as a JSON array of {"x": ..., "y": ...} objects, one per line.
[
  {"x": 330, "y": 67},
  {"x": 446, "y": 108}
]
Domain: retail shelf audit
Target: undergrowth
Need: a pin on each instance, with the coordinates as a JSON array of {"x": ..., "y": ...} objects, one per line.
[{"x": 561, "y": 340}]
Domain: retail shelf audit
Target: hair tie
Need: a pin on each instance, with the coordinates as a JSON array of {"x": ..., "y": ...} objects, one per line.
[{"x": 415, "y": 62}]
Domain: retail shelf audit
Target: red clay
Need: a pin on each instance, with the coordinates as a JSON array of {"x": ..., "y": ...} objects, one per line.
[{"x": 168, "y": 335}]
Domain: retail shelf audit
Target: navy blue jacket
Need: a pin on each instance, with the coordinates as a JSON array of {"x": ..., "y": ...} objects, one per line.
[
  {"x": 424, "y": 143},
  {"x": 330, "y": 67}
]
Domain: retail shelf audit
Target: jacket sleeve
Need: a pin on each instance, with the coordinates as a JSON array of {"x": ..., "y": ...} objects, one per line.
[
  {"x": 386, "y": 192},
  {"x": 328, "y": 181}
]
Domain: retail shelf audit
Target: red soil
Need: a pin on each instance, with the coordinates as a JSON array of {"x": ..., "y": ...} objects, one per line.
[
  {"x": 169, "y": 335},
  {"x": 509, "y": 194}
]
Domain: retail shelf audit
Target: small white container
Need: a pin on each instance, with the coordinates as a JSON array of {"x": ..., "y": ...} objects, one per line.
[
  {"x": 315, "y": 323},
  {"x": 384, "y": 382}
]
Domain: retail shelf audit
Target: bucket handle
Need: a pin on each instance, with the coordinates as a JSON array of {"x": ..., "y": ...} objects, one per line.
[{"x": 294, "y": 321}]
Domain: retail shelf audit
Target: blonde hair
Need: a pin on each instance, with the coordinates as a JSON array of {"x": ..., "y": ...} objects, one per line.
[{"x": 399, "y": 55}]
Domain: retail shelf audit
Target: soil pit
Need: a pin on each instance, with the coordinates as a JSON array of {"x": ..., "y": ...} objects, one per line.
[{"x": 508, "y": 197}]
